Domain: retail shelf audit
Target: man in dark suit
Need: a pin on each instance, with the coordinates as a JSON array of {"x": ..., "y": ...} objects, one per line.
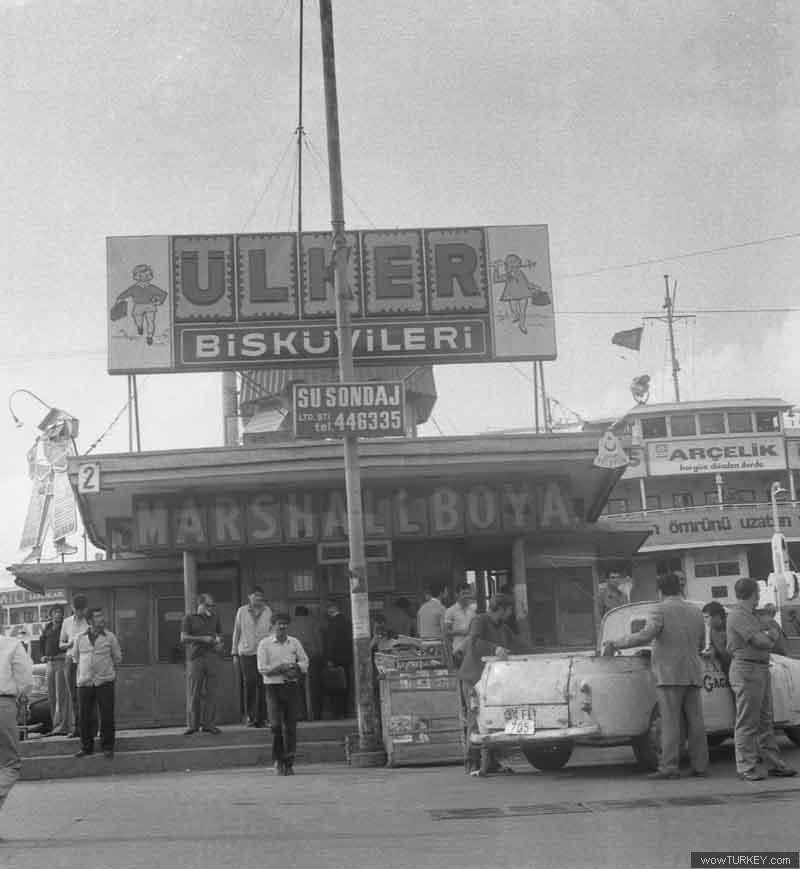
[
  {"x": 337, "y": 653},
  {"x": 677, "y": 631}
]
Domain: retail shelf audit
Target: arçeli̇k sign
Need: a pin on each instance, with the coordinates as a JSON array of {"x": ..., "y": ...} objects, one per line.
[{"x": 215, "y": 302}]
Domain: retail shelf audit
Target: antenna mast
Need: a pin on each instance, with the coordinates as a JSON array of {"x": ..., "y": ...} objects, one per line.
[{"x": 669, "y": 319}]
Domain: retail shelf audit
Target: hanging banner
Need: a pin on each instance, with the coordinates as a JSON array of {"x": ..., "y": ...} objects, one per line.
[{"x": 216, "y": 302}]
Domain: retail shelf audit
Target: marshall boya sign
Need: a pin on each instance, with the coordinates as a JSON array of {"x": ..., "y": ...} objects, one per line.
[
  {"x": 215, "y": 302},
  {"x": 278, "y": 517}
]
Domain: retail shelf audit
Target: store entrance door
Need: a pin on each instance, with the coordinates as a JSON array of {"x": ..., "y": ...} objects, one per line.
[{"x": 488, "y": 570}]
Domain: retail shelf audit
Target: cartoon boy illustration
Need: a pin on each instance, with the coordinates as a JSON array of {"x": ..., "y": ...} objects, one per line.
[
  {"x": 518, "y": 290},
  {"x": 146, "y": 298}
]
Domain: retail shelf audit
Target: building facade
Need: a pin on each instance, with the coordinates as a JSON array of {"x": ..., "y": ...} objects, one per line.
[{"x": 701, "y": 477}]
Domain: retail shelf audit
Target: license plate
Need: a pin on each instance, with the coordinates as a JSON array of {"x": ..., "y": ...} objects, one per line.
[{"x": 520, "y": 719}]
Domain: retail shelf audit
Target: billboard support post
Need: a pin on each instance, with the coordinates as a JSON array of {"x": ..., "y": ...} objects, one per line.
[{"x": 369, "y": 750}]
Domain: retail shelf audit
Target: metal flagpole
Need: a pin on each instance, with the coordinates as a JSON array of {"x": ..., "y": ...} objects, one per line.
[{"x": 370, "y": 753}]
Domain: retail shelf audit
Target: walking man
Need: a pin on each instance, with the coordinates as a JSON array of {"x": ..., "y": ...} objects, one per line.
[
  {"x": 16, "y": 680},
  {"x": 57, "y": 682},
  {"x": 457, "y": 620},
  {"x": 73, "y": 625},
  {"x": 677, "y": 631},
  {"x": 201, "y": 633},
  {"x": 750, "y": 644},
  {"x": 281, "y": 662},
  {"x": 97, "y": 655},
  {"x": 253, "y": 622}
]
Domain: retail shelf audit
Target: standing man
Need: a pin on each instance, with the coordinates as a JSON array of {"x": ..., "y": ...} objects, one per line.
[
  {"x": 97, "y": 655},
  {"x": 677, "y": 631},
  {"x": 281, "y": 661},
  {"x": 57, "y": 683},
  {"x": 750, "y": 644},
  {"x": 201, "y": 633},
  {"x": 489, "y": 636},
  {"x": 16, "y": 680},
  {"x": 73, "y": 625},
  {"x": 337, "y": 652},
  {"x": 253, "y": 622},
  {"x": 430, "y": 617},
  {"x": 457, "y": 620}
]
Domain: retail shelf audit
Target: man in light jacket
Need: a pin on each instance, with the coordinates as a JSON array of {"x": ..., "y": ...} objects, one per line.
[
  {"x": 16, "y": 680},
  {"x": 677, "y": 632}
]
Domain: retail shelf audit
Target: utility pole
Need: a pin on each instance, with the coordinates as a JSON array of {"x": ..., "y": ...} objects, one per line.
[
  {"x": 669, "y": 319},
  {"x": 370, "y": 752}
]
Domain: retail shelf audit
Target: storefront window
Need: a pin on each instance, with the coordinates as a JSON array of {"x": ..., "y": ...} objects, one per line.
[
  {"x": 654, "y": 427},
  {"x": 682, "y": 425},
  {"x": 739, "y": 422},
  {"x": 170, "y": 612},
  {"x": 132, "y": 625}
]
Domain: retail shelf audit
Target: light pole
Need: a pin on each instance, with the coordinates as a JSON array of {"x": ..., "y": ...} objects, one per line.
[{"x": 774, "y": 490}]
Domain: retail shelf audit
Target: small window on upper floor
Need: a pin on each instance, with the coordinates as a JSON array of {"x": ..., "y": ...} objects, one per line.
[
  {"x": 682, "y": 425},
  {"x": 682, "y": 499},
  {"x": 712, "y": 423},
  {"x": 739, "y": 421},
  {"x": 767, "y": 421},
  {"x": 654, "y": 427}
]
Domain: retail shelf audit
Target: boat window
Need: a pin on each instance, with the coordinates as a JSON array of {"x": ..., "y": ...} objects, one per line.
[
  {"x": 711, "y": 498},
  {"x": 682, "y": 499},
  {"x": 712, "y": 423},
  {"x": 745, "y": 496},
  {"x": 654, "y": 502},
  {"x": 682, "y": 425},
  {"x": 616, "y": 505},
  {"x": 739, "y": 421},
  {"x": 767, "y": 421},
  {"x": 654, "y": 427}
]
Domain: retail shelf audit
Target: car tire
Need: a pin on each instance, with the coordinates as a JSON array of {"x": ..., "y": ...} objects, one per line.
[
  {"x": 793, "y": 733},
  {"x": 548, "y": 758},
  {"x": 647, "y": 746}
]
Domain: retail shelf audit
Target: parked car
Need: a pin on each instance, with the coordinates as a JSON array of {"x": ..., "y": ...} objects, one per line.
[
  {"x": 35, "y": 716},
  {"x": 545, "y": 704}
]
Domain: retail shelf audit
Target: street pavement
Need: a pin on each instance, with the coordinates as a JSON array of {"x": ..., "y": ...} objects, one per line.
[{"x": 598, "y": 811}]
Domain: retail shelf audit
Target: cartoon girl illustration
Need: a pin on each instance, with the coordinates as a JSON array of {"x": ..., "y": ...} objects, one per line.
[
  {"x": 518, "y": 290},
  {"x": 146, "y": 298}
]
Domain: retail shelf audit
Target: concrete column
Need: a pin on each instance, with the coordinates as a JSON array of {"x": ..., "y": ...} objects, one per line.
[{"x": 519, "y": 578}]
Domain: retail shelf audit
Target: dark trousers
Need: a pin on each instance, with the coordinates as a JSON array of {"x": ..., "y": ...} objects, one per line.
[
  {"x": 93, "y": 699},
  {"x": 72, "y": 672},
  {"x": 202, "y": 676},
  {"x": 255, "y": 698},
  {"x": 282, "y": 702}
]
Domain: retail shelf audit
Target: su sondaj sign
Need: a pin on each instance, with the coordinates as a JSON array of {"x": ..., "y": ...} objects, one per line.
[
  {"x": 215, "y": 302},
  {"x": 366, "y": 409}
]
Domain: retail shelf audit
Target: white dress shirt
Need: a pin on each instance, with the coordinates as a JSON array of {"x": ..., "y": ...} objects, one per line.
[
  {"x": 249, "y": 631},
  {"x": 70, "y": 628},
  {"x": 272, "y": 652},
  {"x": 16, "y": 668}
]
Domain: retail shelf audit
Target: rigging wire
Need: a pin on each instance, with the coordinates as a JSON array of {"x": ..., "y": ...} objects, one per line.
[
  {"x": 116, "y": 419},
  {"x": 268, "y": 184}
]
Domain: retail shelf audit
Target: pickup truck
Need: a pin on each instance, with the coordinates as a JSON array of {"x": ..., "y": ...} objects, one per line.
[{"x": 545, "y": 704}]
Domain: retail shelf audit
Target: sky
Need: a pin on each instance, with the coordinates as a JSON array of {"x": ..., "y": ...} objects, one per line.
[{"x": 652, "y": 139}]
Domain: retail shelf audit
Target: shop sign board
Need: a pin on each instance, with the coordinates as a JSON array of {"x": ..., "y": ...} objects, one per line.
[
  {"x": 217, "y": 302},
  {"x": 272, "y": 518},
  {"x": 369, "y": 409},
  {"x": 698, "y": 526},
  {"x": 715, "y": 455}
]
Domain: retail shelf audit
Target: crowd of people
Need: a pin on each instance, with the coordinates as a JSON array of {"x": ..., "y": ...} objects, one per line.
[{"x": 293, "y": 667}]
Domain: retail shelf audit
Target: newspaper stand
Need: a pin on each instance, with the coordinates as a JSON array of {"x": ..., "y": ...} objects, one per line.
[{"x": 419, "y": 699}]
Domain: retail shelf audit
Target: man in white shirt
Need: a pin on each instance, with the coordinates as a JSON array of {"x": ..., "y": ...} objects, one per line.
[
  {"x": 73, "y": 625},
  {"x": 281, "y": 662},
  {"x": 253, "y": 622},
  {"x": 16, "y": 680},
  {"x": 457, "y": 620},
  {"x": 430, "y": 616}
]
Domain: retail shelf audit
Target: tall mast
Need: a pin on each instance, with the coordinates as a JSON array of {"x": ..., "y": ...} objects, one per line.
[{"x": 669, "y": 304}]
